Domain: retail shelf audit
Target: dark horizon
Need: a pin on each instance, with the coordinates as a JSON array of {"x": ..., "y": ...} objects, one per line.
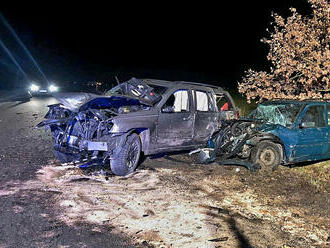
[{"x": 192, "y": 43}]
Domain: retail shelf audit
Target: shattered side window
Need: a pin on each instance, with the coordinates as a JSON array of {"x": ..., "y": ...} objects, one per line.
[
  {"x": 158, "y": 89},
  {"x": 149, "y": 93},
  {"x": 282, "y": 114}
]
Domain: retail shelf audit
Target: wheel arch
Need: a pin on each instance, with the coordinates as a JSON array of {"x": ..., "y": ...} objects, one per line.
[
  {"x": 144, "y": 135},
  {"x": 275, "y": 139}
]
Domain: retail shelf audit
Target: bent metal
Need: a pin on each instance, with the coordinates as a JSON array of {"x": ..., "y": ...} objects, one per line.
[{"x": 139, "y": 116}]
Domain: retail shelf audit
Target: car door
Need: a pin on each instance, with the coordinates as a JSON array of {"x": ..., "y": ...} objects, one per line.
[
  {"x": 206, "y": 116},
  {"x": 328, "y": 127},
  {"x": 312, "y": 134},
  {"x": 176, "y": 120}
]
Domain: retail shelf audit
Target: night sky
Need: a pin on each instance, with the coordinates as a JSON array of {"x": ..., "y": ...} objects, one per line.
[{"x": 191, "y": 42}]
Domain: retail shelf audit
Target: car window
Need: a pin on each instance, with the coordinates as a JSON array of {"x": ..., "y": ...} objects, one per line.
[
  {"x": 177, "y": 102},
  {"x": 314, "y": 117},
  {"x": 212, "y": 105},
  {"x": 202, "y": 101},
  {"x": 223, "y": 103},
  {"x": 283, "y": 114},
  {"x": 158, "y": 89}
]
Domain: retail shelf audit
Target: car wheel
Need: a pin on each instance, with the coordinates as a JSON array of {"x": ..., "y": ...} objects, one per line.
[
  {"x": 221, "y": 141},
  {"x": 267, "y": 154},
  {"x": 128, "y": 158}
]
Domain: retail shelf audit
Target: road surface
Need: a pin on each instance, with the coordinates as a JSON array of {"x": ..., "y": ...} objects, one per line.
[{"x": 27, "y": 209}]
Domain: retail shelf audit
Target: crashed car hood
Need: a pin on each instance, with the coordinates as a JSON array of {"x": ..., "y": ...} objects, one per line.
[
  {"x": 81, "y": 101},
  {"x": 268, "y": 127},
  {"x": 273, "y": 128}
]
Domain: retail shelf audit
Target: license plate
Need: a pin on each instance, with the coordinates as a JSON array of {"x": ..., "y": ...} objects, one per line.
[{"x": 43, "y": 91}]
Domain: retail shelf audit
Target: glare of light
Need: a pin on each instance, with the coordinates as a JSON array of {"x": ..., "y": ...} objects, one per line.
[
  {"x": 53, "y": 88},
  {"x": 34, "y": 87}
]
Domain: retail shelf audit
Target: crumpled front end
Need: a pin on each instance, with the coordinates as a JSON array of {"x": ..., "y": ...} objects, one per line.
[
  {"x": 85, "y": 131},
  {"x": 239, "y": 143}
]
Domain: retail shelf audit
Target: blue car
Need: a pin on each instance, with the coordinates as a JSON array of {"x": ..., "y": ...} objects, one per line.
[{"x": 279, "y": 132}]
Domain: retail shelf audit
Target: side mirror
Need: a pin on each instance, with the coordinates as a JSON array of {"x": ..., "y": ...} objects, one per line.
[{"x": 168, "y": 109}]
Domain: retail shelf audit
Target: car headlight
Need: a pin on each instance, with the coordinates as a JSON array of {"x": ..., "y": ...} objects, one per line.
[
  {"x": 34, "y": 87},
  {"x": 53, "y": 88}
]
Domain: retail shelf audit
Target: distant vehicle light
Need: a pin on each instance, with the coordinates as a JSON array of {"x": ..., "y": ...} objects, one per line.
[
  {"x": 53, "y": 88},
  {"x": 34, "y": 87}
]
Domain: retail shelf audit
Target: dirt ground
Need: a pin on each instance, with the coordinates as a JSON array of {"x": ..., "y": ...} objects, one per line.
[
  {"x": 167, "y": 202},
  {"x": 172, "y": 202},
  {"x": 28, "y": 208}
]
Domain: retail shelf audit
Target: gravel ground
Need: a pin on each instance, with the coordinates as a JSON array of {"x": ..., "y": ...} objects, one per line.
[{"x": 172, "y": 202}]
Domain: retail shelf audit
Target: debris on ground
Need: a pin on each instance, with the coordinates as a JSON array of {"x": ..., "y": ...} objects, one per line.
[{"x": 181, "y": 204}]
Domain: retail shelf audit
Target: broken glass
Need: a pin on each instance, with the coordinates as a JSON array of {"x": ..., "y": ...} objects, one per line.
[
  {"x": 283, "y": 114},
  {"x": 148, "y": 93}
]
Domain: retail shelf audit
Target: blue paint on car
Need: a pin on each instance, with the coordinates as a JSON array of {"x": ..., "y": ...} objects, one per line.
[{"x": 301, "y": 127}]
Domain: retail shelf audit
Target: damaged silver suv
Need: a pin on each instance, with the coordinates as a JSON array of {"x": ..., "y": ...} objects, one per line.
[{"x": 138, "y": 116}]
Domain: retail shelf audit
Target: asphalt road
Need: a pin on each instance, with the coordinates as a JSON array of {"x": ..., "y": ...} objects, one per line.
[{"x": 27, "y": 210}]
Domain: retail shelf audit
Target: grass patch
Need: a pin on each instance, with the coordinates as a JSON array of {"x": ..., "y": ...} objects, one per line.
[{"x": 317, "y": 175}]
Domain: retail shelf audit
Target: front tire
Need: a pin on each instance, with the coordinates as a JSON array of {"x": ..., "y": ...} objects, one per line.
[
  {"x": 128, "y": 158},
  {"x": 267, "y": 154}
]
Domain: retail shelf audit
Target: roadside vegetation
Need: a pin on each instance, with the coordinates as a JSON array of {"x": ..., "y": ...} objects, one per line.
[
  {"x": 299, "y": 55},
  {"x": 316, "y": 174}
]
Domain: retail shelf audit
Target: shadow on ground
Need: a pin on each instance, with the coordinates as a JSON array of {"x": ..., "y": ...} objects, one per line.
[{"x": 28, "y": 219}]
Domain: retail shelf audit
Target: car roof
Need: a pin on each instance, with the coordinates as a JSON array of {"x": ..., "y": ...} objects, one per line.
[{"x": 166, "y": 83}]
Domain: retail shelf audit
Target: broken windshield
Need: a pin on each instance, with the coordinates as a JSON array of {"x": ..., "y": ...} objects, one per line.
[
  {"x": 148, "y": 93},
  {"x": 283, "y": 113},
  {"x": 120, "y": 90}
]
